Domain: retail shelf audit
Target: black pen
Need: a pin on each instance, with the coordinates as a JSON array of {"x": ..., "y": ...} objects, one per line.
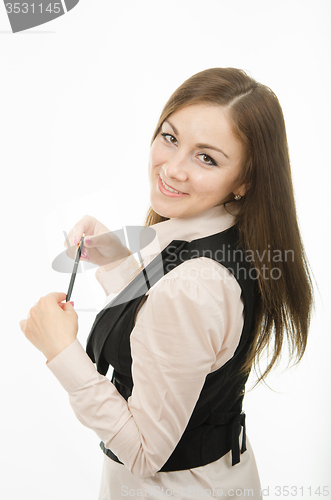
[{"x": 74, "y": 271}]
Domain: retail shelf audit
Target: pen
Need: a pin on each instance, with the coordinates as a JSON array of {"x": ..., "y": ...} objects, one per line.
[{"x": 74, "y": 271}]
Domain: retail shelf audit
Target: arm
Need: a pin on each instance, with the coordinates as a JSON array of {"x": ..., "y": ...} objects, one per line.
[
  {"x": 105, "y": 248},
  {"x": 115, "y": 276},
  {"x": 176, "y": 338}
]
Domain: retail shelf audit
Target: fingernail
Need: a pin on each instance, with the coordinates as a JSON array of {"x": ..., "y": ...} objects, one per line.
[
  {"x": 72, "y": 303},
  {"x": 75, "y": 241},
  {"x": 88, "y": 241},
  {"x": 84, "y": 253}
]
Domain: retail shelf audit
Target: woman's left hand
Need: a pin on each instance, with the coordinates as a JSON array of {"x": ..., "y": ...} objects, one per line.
[{"x": 50, "y": 325}]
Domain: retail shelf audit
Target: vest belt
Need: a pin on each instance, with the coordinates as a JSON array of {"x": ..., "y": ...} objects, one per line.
[{"x": 234, "y": 422}]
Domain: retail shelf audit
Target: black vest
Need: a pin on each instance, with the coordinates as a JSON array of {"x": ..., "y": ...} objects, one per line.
[{"x": 215, "y": 424}]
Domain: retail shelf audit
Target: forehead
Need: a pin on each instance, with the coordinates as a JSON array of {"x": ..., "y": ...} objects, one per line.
[{"x": 202, "y": 117}]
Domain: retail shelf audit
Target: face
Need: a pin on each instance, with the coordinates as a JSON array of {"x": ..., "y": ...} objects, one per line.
[{"x": 196, "y": 155}]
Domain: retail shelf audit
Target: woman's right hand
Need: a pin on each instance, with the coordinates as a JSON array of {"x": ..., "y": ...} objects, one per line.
[{"x": 101, "y": 246}]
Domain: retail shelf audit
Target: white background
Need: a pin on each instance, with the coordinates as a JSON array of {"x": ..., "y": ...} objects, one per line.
[{"x": 79, "y": 100}]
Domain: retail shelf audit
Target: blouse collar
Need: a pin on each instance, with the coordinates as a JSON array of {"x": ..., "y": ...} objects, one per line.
[{"x": 211, "y": 221}]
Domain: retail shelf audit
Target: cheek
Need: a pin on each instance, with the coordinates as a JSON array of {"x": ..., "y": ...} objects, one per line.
[
  {"x": 212, "y": 185},
  {"x": 157, "y": 155},
  {"x": 205, "y": 183}
]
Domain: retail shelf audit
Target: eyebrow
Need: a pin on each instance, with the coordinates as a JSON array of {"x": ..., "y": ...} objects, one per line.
[{"x": 203, "y": 146}]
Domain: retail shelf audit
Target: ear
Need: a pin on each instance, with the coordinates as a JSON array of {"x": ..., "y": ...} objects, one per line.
[{"x": 242, "y": 190}]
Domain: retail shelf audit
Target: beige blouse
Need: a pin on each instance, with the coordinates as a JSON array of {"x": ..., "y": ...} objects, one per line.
[{"x": 188, "y": 326}]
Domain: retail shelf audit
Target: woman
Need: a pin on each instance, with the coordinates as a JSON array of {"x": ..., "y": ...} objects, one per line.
[{"x": 229, "y": 278}]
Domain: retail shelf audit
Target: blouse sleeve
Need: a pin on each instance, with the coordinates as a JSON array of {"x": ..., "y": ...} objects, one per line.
[
  {"x": 115, "y": 278},
  {"x": 174, "y": 344}
]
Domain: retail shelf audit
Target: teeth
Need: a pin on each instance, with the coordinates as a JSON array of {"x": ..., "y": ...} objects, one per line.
[{"x": 170, "y": 189}]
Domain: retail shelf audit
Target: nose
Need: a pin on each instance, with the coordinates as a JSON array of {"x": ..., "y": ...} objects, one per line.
[{"x": 176, "y": 168}]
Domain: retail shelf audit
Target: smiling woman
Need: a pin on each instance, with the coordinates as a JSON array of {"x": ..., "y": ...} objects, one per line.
[
  {"x": 197, "y": 181},
  {"x": 266, "y": 215},
  {"x": 185, "y": 328}
]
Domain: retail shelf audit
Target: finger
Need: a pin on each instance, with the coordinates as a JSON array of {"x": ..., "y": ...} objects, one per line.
[
  {"x": 85, "y": 225},
  {"x": 22, "y": 324},
  {"x": 99, "y": 240},
  {"x": 68, "y": 306},
  {"x": 71, "y": 248},
  {"x": 58, "y": 296}
]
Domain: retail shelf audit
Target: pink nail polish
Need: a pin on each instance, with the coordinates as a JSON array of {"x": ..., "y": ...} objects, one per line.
[
  {"x": 88, "y": 241},
  {"x": 75, "y": 241},
  {"x": 72, "y": 303}
]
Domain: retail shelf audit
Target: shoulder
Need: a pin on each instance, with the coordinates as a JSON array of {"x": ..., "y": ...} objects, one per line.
[
  {"x": 197, "y": 306},
  {"x": 204, "y": 274}
]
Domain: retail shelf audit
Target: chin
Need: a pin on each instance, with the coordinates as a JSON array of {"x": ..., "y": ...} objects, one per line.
[
  {"x": 164, "y": 211},
  {"x": 166, "y": 208}
]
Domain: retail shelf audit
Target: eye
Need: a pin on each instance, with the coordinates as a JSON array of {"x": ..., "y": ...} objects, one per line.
[
  {"x": 169, "y": 138},
  {"x": 208, "y": 160}
]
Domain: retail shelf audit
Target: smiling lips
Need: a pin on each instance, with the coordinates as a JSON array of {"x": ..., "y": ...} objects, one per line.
[{"x": 168, "y": 190}]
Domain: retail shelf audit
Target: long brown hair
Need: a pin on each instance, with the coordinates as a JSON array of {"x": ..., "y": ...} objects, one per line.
[{"x": 267, "y": 219}]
